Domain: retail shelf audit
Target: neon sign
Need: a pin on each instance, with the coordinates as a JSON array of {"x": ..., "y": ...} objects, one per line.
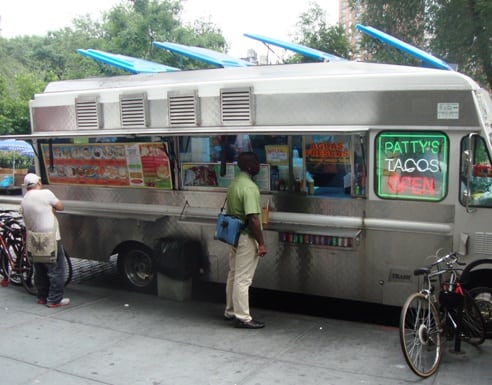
[{"x": 411, "y": 165}]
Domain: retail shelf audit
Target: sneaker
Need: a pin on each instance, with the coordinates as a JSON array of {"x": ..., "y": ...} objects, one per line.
[
  {"x": 252, "y": 324},
  {"x": 41, "y": 301},
  {"x": 63, "y": 302},
  {"x": 228, "y": 318}
]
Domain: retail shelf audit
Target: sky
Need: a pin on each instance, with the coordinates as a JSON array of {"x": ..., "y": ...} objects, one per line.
[{"x": 273, "y": 18}]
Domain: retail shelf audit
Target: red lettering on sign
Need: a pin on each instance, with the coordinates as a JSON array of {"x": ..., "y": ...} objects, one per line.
[{"x": 411, "y": 185}]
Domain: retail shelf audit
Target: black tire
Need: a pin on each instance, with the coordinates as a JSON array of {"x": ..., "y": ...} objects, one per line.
[
  {"x": 8, "y": 271},
  {"x": 483, "y": 299},
  {"x": 420, "y": 337},
  {"x": 136, "y": 266},
  {"x": 2, "y": 273},
  {"x": 68, "y": 268},
  {"x": 27, "y": 275},
  {"x": 472, "y": 324}
]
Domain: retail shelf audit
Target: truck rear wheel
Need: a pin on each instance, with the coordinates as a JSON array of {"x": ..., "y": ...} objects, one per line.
[{"x": 137, "y": 268}]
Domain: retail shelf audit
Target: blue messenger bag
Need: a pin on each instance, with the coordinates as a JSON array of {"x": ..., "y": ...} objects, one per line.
[{"x": 228, "y": 228}]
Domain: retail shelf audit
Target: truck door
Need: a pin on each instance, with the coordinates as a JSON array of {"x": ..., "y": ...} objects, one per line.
[{"x": 473, "y": 223}]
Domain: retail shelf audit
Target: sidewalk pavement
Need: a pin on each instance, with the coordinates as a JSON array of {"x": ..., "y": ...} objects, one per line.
[{"x": 112, "y": 336}]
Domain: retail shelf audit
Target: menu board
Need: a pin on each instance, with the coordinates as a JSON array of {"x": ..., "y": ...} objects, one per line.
[
  {"x": 208, "y": 175},
  {"x": 109, "y": 164},
  {"x": 277, "y": 154},
  {"x": 328, "y": 152},
  {"x": 326, "y": 155}
]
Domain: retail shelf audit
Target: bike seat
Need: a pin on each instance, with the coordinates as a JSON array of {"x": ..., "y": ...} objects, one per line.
[{"x": 422, "y": 271}]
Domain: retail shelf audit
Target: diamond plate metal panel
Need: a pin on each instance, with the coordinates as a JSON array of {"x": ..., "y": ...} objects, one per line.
[
  {"x": 361, "y": 108},
  {"x": 481, "y": 243},
  {"x": 111, "y": 115},
  {"x": 210, "y": 111},
  {"x": 158, "y": 113},
  {"x": 57, "y": 118}
]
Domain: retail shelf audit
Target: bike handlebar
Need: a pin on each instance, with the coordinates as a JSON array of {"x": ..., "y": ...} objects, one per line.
[{"x": 449, "y": 259}]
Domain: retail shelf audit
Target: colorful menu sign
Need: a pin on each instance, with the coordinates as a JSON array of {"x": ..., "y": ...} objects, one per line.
[
  {"x": 412, "y": 165},
  {"x": 277, "y": 154},
  {"x": 328, "y": 152},
  {"x": 109, "y": 164}
]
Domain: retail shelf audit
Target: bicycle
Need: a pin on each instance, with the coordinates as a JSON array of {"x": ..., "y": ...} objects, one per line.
[
  {"x": 12, "y": 267},
  {"x": 428, "y": 317},
  {"x": 16, "y": 267}
]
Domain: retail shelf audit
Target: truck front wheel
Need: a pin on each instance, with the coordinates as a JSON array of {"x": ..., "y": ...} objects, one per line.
[
  {"x": 483, "y": 298},
  {"x": 137, "y": 268}
]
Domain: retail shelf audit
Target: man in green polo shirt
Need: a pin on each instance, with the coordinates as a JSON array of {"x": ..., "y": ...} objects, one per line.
[{"x": 243, "y": 201}]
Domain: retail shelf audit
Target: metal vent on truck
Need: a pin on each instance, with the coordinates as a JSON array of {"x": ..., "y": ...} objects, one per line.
[
  {"x": 236, "y": 106},
  {"x": 88, "y": 113},
  {"x": 133, "y": 111},
  {"x": 183, "y": 109},
  {"x": 482, "y": 243}
]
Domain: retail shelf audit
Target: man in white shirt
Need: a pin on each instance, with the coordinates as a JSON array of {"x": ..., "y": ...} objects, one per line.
[{"x": 38, "y": 209}]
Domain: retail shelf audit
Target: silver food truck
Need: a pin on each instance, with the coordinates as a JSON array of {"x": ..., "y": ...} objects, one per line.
[{"x": 367, "y": 169}]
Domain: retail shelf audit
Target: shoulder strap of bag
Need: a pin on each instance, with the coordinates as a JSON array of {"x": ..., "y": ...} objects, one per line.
[{"x": 223, "y": 206}]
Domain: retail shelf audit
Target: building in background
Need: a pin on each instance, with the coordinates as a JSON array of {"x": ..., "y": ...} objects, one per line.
[{"x": 348, "y": 18}]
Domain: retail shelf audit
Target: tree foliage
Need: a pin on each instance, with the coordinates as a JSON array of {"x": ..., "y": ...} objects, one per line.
[
  {"x": 462, "y": 31},
  {"x": 314, "y": 31},
  {"x": 458, "y": 31},
  {"x": 14, "y": 111},
  {"x": 402, "y": 19}
]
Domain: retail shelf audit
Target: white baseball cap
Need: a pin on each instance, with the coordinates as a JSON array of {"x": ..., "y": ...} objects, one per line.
[{"x": 31, "y": 179}]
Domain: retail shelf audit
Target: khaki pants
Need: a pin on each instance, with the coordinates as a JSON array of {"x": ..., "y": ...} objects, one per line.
[{"x": 242, "y": 265}]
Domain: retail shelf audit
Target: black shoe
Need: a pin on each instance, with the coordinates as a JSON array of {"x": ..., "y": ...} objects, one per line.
[
  {"x": 252, "y": 324},
  {"x": 226, "y": 318}
]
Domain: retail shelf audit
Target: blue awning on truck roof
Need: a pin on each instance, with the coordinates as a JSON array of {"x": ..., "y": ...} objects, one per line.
[
  {"x": 126, "y": 63},
  {"x": 404, "y": 47},
  {"x": 298, "y": 48},
  {"x": 203, "y": 54}
]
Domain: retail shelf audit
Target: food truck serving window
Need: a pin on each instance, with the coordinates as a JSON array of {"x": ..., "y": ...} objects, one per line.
[{"x": 411, "y": 165}]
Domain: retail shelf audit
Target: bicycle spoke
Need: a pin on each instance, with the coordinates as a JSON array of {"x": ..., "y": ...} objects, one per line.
[
  {"x": 472, "y": 323},
  {"x": 419, "y": 335}
]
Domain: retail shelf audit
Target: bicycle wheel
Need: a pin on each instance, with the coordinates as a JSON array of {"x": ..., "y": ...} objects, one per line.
[
  {"x": 68, "y": 268},
  {"x": 26, "y": 270},
  {"x": 9, "y": 266},
  {"x": 3, "y": 275},
  {"x": 420, "y": 337},
  {"x": 472, "y": 323}
]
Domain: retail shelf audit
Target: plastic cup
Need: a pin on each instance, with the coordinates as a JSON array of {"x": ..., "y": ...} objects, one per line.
[{"x": 265, "y": 213}]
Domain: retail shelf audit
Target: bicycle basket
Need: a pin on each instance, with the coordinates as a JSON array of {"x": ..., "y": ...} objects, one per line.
[{"x": 451, "y": 297}]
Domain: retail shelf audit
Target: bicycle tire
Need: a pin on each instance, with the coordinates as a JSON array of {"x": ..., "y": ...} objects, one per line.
[
  {"x": 9, "y": 272},
  {"x": 420, "y": 336},
  {"x": 27, "y": 275},
  {"x": 473, "y": 329},
  {"x": 2, "y": 274},
  {"x": 68, "y": 268}
]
